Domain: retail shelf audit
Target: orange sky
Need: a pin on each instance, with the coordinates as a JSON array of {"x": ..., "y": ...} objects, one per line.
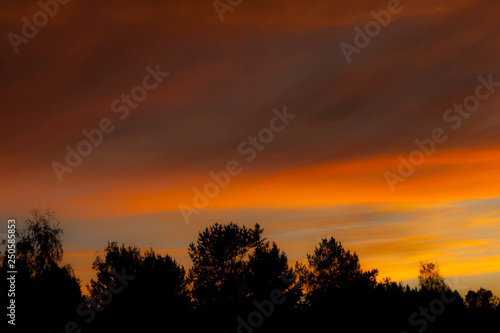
[{"x": 321, "y": 176}]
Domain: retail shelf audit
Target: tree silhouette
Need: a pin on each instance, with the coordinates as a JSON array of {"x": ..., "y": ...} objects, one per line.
[
  {"x": 267, "y": 266},
  {"x": 153, "y": 289},
  {"x": 221, "y": 264},
  {"x": 331, "y": 267},
  {"x": 430, "y": 280},
  {"x": 334, "y": 284},
  {"x": 47, "y": 292},
  {"x": 39, "y": 247},
  {"x": 482, "y": 300},
  {"x": 116, "y": 259},
  {"x": 230, "y": 288}
]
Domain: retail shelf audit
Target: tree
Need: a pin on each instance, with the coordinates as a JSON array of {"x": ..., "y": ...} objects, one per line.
[
  {"x": 153, "y": 289},
  {"x": 482, "y": 300},
  {"x": 39, "y": 247},
  {"x": 335, "y": 287},
  {"x": 267, "y": 265},
  {"x": 331, "y": 268},
  {"x": 430, "y": 280},
  {"x": 47, "y": 292},
  {"x": 116, "y": 259},
  {"x": 220, "y": 259}
]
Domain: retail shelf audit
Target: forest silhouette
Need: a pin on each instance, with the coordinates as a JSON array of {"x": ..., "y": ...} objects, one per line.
[{"x": 239, "y": 281}]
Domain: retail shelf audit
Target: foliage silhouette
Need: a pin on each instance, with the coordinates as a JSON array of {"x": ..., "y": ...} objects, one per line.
[
  {"x": 331, "y": 267},
  {"x": 482, "y": 300},
  {"x": 153, "y": 279},
  {"x": 45, "y": 289},
  {"x": 39, "y": 247},
  {"x": 267, "y": 266},
  {"x": 430, "y": 280},
  {"x": 235, "y": 271},
  {"x": 219, "y": 275}
]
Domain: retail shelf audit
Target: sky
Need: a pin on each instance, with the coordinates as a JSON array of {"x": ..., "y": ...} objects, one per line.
[{"x": 291, "y": 114}]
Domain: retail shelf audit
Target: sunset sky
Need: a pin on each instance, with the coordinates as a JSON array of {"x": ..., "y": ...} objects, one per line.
[{"x": 323, "y": 174}]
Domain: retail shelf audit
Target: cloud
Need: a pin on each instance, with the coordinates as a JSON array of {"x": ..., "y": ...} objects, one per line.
[
  {"x": 322, "y": 175},
  {"x": 391, "y": 238}
]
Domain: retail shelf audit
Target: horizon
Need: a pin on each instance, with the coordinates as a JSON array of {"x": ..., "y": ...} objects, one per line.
[{"x": 82, "y": 261}]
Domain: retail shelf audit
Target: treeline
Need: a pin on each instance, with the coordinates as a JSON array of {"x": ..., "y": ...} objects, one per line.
[{"x": 239, "y": 282}]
